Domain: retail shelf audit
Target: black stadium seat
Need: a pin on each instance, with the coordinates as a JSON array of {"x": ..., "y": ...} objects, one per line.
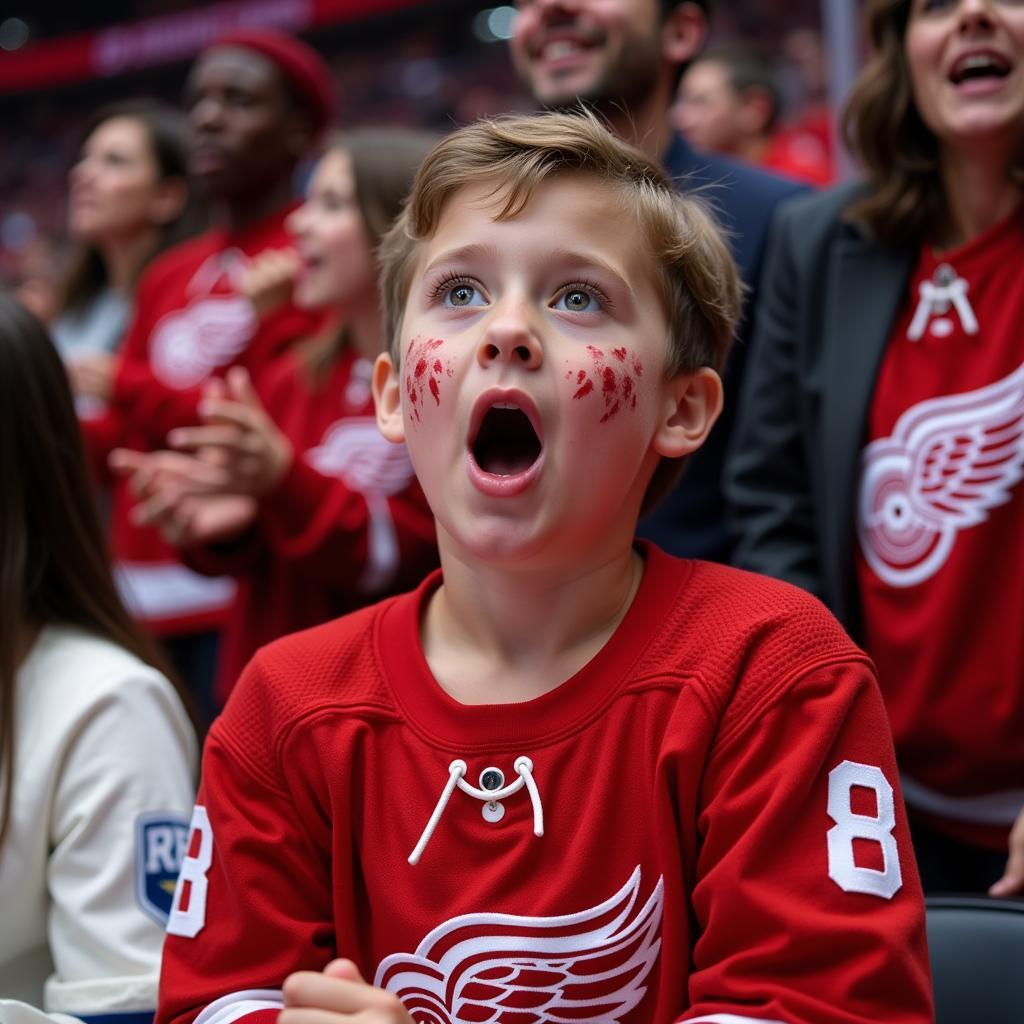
[{"x": 977, "y": 957}]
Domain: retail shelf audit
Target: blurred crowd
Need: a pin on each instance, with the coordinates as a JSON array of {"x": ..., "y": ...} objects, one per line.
[{"x": 417, "y": 77}]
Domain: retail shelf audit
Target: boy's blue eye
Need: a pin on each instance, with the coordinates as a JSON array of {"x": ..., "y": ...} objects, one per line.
[
  {"x": 576, "y": 300},
  {"x": 463, "y": 295}
]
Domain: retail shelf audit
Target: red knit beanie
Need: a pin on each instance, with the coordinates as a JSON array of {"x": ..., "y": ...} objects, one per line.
[{"x": 301, "y": 64}]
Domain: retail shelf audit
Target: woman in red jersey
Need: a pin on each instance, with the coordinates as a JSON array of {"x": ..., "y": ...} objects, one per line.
[{"x": 881, "y": 439}]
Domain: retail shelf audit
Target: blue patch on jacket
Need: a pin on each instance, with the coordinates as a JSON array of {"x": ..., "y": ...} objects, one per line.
[{"x": 160, "y": 842}]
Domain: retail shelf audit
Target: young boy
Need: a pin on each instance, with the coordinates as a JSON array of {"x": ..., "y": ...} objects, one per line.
[{"x": 569, "y": 778}]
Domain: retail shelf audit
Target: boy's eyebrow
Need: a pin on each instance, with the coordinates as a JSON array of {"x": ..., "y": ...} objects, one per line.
[
  {"x": 477, "y": 250},
  {"x": 474, "y": 250},
  {"x": 589, "y": 259}
]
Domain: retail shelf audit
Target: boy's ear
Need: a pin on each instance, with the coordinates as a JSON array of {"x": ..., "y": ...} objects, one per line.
[
  {"x": 693, "y": 403},
  {"x": 387, "y": 399}
]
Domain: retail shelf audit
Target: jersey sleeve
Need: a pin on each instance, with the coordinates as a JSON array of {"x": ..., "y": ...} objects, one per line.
[
  {"x": 807, "y": 900},
  {"x": 117, "y": 831},
  {"x": 254, "y": 899}
]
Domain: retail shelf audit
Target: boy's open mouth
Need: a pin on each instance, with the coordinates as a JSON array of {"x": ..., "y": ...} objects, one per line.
[{"x": 506, "y": 442}]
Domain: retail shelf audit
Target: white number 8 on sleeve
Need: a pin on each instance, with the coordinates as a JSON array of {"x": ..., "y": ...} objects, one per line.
[
  {"x": 188, "y": 920},
  {"x": 849, "y": 826}
]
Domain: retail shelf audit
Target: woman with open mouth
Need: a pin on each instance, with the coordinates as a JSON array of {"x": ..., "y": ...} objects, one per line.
[{"x": 881, "y": 440}]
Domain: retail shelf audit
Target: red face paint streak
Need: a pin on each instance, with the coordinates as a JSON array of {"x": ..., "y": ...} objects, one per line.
[
  {"x": 427, "y": 372},
  {"x": 617, "y": 393}
]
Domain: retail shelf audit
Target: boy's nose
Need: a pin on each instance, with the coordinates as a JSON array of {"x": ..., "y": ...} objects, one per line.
[{"x": 510, "y": 339}]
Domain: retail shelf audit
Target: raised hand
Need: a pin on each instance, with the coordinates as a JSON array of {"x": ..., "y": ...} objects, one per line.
[
  {"x": 180, "y": 495},
  {"x": 268, "y": 280},
  {"x": 239, "y": 437}
]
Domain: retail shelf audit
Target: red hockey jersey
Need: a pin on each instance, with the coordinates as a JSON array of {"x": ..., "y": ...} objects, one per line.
[
  {"x": 700, "y": 825},
  {"x": 190, "y": 323},
  {"x": 940, "y": 548}
]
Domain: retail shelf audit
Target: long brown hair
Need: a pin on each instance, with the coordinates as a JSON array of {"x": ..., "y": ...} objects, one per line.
[
  {"x": 54, "y": 566},
  {"x": 899, "y": 153},
  {"x": 165, "y": 132},
  {"x": 384, "y": 162}
]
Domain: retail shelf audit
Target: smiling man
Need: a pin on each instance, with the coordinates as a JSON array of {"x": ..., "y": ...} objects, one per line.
[
  {"x": 624, "y": 59},
  {"x": 256, "y": 102}
]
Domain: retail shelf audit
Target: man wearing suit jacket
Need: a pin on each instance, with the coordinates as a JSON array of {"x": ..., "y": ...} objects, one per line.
[{"x": 624, "y": 59}]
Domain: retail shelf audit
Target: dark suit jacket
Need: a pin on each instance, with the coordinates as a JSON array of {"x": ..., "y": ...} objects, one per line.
[
  {"x": 691, "y": 520},
  {"x": 828, "y": 300}
]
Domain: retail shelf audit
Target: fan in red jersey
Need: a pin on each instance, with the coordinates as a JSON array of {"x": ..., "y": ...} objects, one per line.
[
  {"x": 570, "y": 777},
  {"x": 256, "y": 103},
  {"x": 881, "y": 447}
]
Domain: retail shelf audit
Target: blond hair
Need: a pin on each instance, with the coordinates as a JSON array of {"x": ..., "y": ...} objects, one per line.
[{"x": 695, "y": 272}]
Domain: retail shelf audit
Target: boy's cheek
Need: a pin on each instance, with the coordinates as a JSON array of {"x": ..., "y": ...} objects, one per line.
[
  {"x": 606, "y": 381},
  {"x": 425, "y": 375}
]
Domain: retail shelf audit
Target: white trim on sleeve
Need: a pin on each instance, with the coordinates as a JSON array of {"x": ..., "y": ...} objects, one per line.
[
  {"x": 161, "y": 591},
  {"x": 238, "y": 1004}
]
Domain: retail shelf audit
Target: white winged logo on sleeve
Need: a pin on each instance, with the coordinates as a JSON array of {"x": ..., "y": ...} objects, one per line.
[
  {"x": 587, "y": 966},
  {"x": 947, "y": 462}
]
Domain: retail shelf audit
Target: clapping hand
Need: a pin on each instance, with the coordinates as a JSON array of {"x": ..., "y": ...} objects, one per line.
[
  {"x": 237, "y": 436},
  {"x": 179, "y": 495}
]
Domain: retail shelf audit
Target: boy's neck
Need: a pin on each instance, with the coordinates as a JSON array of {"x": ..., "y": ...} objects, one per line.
[{"x": 495, "y": 636}]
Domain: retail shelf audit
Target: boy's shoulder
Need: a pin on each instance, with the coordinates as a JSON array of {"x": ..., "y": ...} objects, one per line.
[
  {"x": 746, "y": 636},
  {"x": 333, "y": 666}
]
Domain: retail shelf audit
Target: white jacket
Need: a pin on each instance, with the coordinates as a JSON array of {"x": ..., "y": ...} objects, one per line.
[{"x": 104, "y": 781}]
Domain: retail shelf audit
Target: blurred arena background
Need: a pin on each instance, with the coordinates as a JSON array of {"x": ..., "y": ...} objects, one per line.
[{"x": 432, "y": 63}]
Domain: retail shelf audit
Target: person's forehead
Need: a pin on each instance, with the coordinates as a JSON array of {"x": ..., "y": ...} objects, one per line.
[
  {"x": 123, "y": 132},
  {"x": 334, "y": 170},
  {"x": 238, "y": 67},
  {"x": 572, "y": 210},
  {"x": 717, "y": 75}
]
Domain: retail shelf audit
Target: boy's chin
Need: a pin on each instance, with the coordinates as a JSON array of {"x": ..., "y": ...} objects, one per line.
[
  {"x": 501, "y": 543},
  {"x": 515, "y": 544}
]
